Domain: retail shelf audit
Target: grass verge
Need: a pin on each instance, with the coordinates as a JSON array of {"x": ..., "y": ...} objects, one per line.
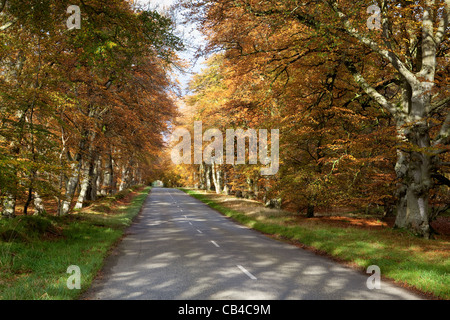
[
  {"x": 423, "y": 265},
  {"x": 35, "y": 252}
]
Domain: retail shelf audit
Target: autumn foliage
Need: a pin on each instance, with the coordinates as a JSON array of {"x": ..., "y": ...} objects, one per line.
[
  {"x": 363, "y": 111},
  {"x": 82, "y": 110}
]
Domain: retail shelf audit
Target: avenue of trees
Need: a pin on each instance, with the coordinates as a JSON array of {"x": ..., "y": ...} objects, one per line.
[
  {"x": 361, "y": 99},
  {"x": 82, "y": 110},
  {"x": 359, "y": 91}
]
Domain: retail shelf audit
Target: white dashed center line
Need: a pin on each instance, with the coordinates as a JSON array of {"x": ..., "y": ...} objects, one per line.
[
  {"x": 246, "y": 272},
  {"x": 214, "y": 243}
]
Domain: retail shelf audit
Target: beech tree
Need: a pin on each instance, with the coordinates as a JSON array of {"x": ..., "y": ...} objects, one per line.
[
  {"x": 400, "y": 63},
  {"x": 326, "y": 150},
  {"x": 83, "y": 111}
]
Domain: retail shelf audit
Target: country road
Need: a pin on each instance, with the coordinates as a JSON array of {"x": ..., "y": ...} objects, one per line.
[{"x": 180, "y": 249}]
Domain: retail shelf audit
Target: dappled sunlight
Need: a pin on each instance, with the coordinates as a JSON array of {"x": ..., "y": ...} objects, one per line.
[{"x": 170, "y": 254}]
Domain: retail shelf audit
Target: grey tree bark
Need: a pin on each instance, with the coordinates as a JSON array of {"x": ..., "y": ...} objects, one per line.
[
  {"x": 208, "y": 177},
  {"x": 126, "y": 176},
  {"x": 71, "y": 186},
  {"x": 415, "y": 163},
  {"x": 84, "y": 185},
  {"x": 216, "y": 173},
  {"x": 108, "y": 176}
]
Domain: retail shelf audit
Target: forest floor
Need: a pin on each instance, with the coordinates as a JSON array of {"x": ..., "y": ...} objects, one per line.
[{"x": 353, "y": 239}]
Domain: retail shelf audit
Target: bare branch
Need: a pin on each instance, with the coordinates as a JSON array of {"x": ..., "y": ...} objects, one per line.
[{"x": 374, "y": 94}]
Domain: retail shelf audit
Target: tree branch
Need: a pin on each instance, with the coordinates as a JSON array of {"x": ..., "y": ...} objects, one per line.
[
  {"x": 442, "y": 180},
  {"x": 7, "y": 25},
  {"x": 429, "y": 47},
  {"x": 379, "y": 98},
  {"x": 387, "y": 54},
  {"x": 444, "y": 134},
  {"x": 443, "y": 24},
  {"x": 436, "y": 107}
]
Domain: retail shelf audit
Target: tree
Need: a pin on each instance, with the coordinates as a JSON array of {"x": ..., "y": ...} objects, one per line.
[
  {"x": 403, "y": 67},
  {"x": 81, "y": 109}
]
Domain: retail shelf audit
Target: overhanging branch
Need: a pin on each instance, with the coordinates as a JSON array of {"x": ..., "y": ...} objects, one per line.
[
  {"x": 389, "y": 55},
  {"x": 368, "y": 89}
]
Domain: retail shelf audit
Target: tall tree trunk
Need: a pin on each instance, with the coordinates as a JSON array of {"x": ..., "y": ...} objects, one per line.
[
  {"x": 415, "y": 162},
  {"x": 139, "y": 179},
  {"x": 91, "y": 194},
  {"x": 226, "y": 188},
  {"x": 29, "y": 199},
  {"x": 201, "y": 177},
  {"x": 108, "y": 178},
  {"x": 84, "y": 185},
  {"x": 99, "y": 181},
  {"x": 125, "y": 178},
  {"x": 217, "y": 177},
  {"x": 71, "y": 186},
  {"x": 195, "y": 181},
  {"x": 414, "y": 168},
  {"x": 93, "y": 174},
  {"x": 310, "y": 211},
  {"x": 208, "y": 177}
]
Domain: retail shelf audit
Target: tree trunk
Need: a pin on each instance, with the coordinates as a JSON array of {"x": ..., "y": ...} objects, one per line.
[
  {"x": 414, "y": 166},
  {"x": 217, "y": 177},
  {"x": 84, "y": 185},
  {"x": 310, "y": 211},
  {"x": 29, "y": 199},
  {"x": 208, "y": 177},
  {"x": 195, "y": 181},
  {"x": 71, "y": 186},
  {"x": 99, "y": 181},
  {"x": 414, "y": 170},
  {"x": 226, "y": 188},
  {"x": 201, "y": 177},
  {"x": 124, "y": 181},
  {"x": 108, "y": 178},
  {"x": 91, "y": 194}
]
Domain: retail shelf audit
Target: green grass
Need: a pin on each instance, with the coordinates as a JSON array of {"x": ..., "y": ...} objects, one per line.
[
  {"x": 408, "y": 260},
  {"x": 35, "y": 252}
]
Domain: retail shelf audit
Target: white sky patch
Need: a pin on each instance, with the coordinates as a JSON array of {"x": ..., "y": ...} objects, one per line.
[{"x": 192, "y": 38}]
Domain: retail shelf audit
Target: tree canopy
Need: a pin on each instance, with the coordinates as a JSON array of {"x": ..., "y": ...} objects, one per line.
[
  {"x": 83, "y": 111},
  {"x": 359, "y": 94}
]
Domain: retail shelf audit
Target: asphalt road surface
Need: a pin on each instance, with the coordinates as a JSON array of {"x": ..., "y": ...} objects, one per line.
[{"x": 180, "y": 249}]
